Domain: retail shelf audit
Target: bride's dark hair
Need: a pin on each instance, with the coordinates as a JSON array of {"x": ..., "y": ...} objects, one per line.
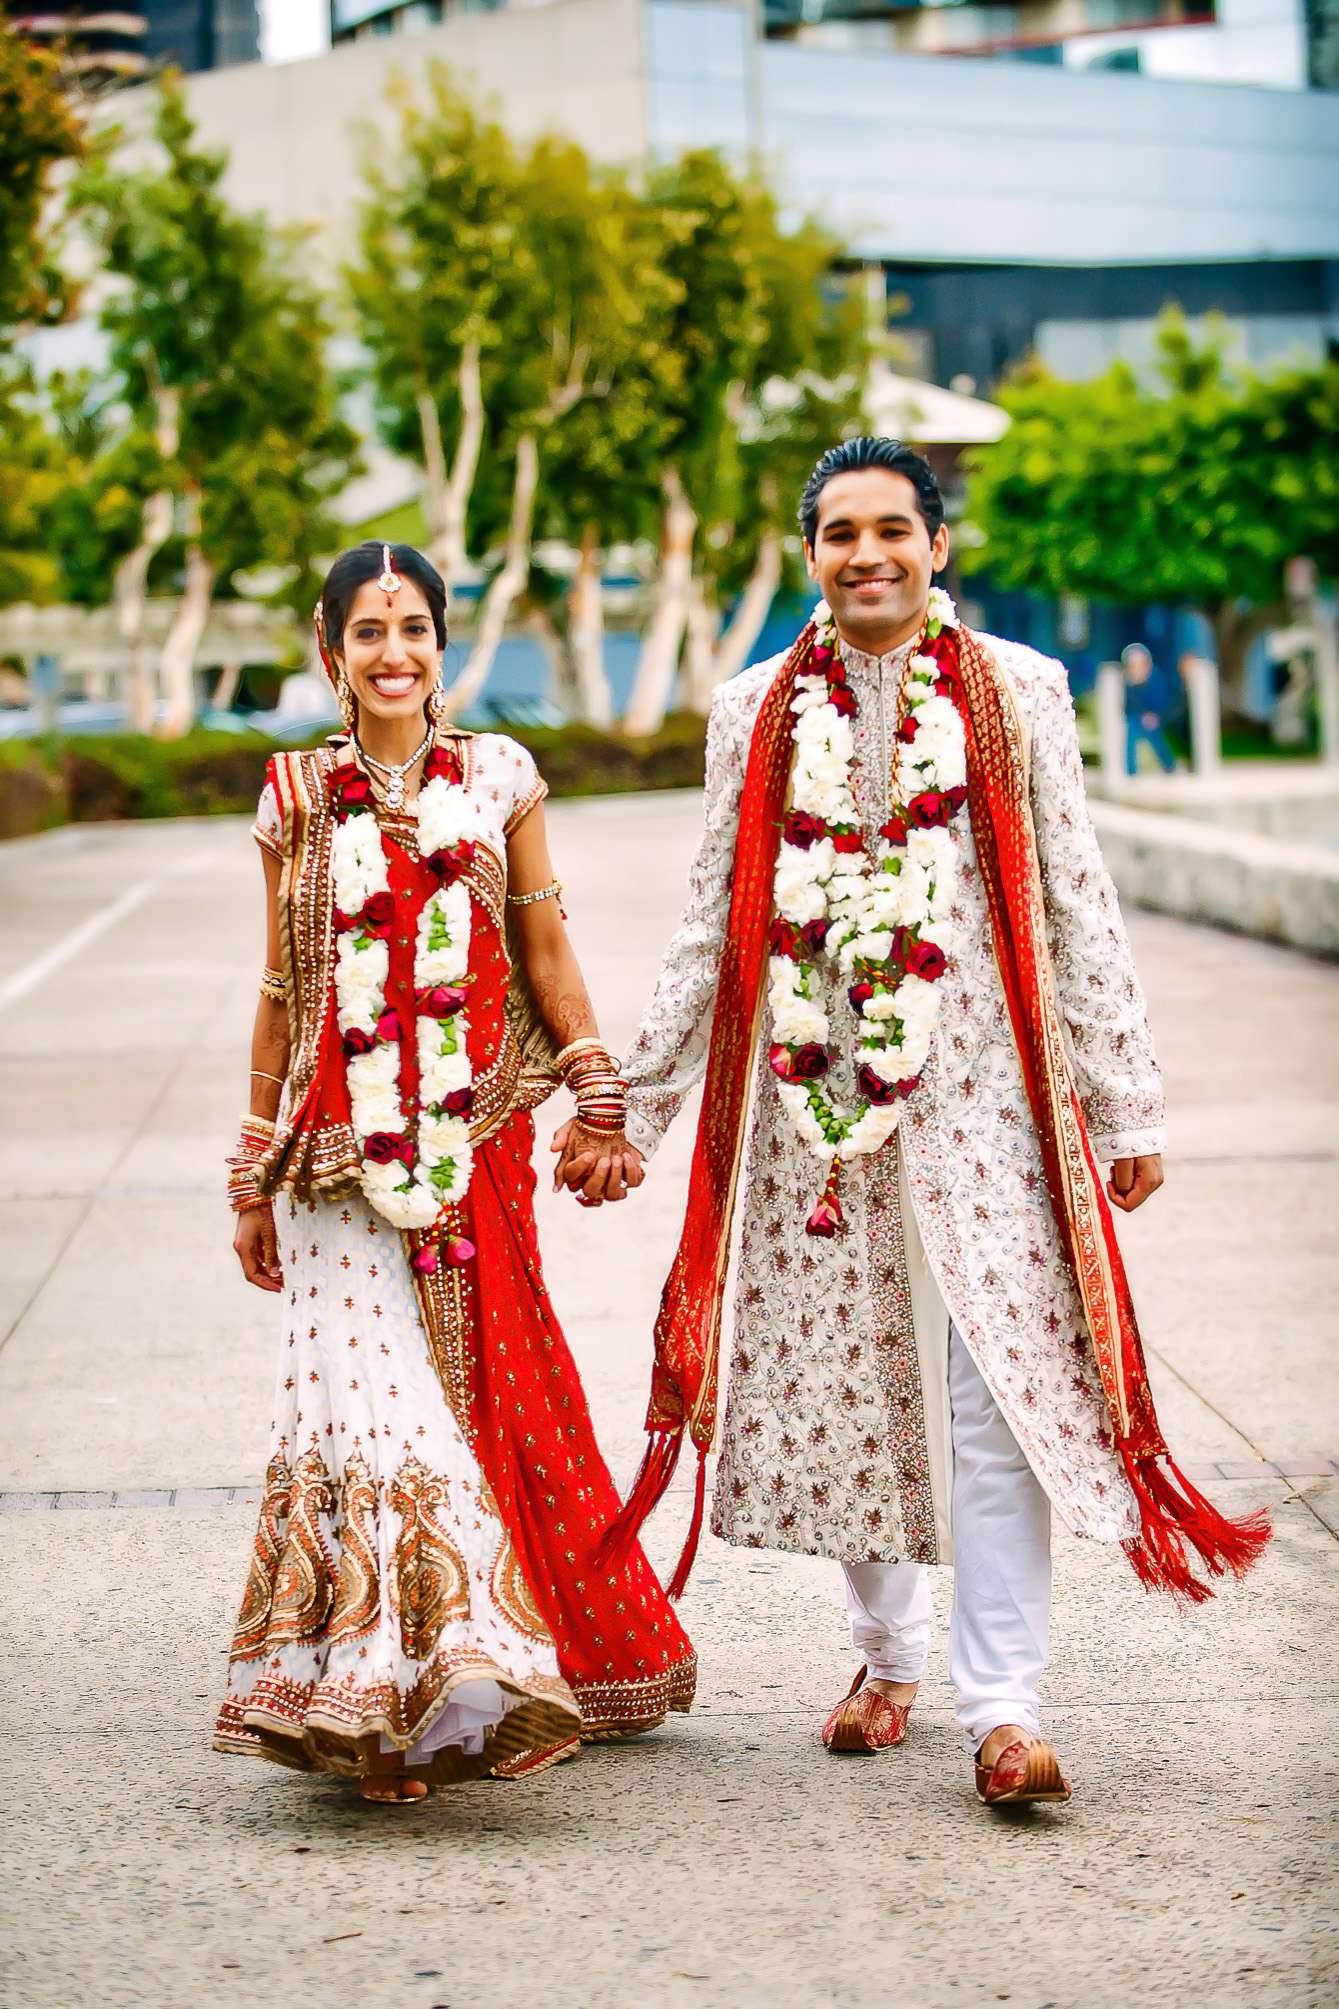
[{"x": 354, "y": 568}]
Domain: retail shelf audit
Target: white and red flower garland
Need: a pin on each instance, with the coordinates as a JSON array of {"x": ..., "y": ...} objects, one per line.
[
  {"x": 412, "y": 1173},
  {"x": 882, "y": 919}
]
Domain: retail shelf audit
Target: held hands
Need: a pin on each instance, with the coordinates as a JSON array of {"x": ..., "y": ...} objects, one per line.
[
  {"x": 257, "y": 1247},
  {"x": 595, "y": 1168},
  {"x": 1132, "y": 1182}
]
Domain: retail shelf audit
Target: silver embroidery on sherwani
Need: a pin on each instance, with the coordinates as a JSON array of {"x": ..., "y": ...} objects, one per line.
[{"x": 823, "y": 1442}]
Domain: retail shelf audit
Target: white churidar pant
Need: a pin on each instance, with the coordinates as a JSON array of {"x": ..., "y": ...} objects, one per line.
[{"x": 999, "y": 1629}]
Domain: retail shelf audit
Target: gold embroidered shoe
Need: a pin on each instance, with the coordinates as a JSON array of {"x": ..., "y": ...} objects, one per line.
[
  {"x": 866, "y": 1721},
  {"x": 1022, "y": 1773}
]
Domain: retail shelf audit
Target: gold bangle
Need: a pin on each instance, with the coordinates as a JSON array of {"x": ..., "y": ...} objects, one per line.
[
  {"x": 590, "y": 1044},
  {"x": 258, "y": 1073},
  {"x": 273, "y": 987},
  {"x": 553, "y": 891}
]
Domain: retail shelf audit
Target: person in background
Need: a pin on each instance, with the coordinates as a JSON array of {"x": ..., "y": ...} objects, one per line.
[{"x": 1147, "y": 707}]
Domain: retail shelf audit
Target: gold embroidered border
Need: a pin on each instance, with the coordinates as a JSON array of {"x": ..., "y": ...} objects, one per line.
[
  {"x": 611, "y": 1706},
  {"x": 897, "y": 1361}
]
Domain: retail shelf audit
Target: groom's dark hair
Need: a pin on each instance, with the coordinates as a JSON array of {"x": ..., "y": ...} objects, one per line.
[{"x": 853, "y": 455}]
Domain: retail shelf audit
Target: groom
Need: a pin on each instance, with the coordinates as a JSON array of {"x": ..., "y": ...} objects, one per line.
[{"x": 902, "y": 951}]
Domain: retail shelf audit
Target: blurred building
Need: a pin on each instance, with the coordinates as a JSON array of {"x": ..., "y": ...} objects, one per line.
[
  {"x": 355, "y": 20},
  {"x": 110, "y": 44},
  {"x": 1048, "y": 180}
]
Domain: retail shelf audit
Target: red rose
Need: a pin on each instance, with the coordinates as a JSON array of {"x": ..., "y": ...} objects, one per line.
[
  {"x": 459, "y": 1102},
  {"x": 927, "y": 960},
  {"x": 928, "y": 809},
  {"x": 783, "y": 939},
  {"x": 894, "y": 831},
  {"x": 860, "y": 994},
  {"x": 349, "y": 791},
  {"x": 442, "y": 764},
  {"x": 388, "y": 1025},
  {"x": 814, "y": 935},
  {"x": 805, "y": 1063},
  {"x": 908, "y": 730},
  {"x": 451, "y": 863},
  {"x": 842, "y": 699},
  {"x": 358, "y": 1041},
  {"x": 344, "y": 922},
  {"x": 378, "y": 915},
  {"x": 442, "y": 1000},
  {"x": 820, "y": 659},
  {"x": 802, "y": 829},
  {"x": 955, "y": 797},
  {"x": 873, "y": 1086},
  {"x": 847, "y": 842},
  {"x": 827, "y": 1218},
  {"x": 383, "y": 1147}
]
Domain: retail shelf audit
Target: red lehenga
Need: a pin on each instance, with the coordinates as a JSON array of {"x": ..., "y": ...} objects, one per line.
[{"x": 422, "y": 1577}]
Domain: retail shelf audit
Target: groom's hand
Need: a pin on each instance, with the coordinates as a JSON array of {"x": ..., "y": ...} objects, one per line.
[
  {"x": 1132, "y": 1181},
  {"x": 595, "y": 1170}
]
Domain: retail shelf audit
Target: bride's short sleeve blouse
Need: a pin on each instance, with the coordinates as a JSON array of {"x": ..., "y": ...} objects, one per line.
[{"x": 503, "y": 776}]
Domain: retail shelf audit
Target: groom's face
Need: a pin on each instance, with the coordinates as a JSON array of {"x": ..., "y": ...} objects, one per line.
[{"x": 873, "y": 557}]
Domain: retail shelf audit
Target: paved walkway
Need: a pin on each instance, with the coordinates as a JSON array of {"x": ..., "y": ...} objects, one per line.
[{"x": 728, "y": 1861}]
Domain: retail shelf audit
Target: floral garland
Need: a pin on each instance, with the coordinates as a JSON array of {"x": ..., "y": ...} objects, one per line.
[
  {"x": 882, "y": 919},
  {"x": 412, "y": 1175}
]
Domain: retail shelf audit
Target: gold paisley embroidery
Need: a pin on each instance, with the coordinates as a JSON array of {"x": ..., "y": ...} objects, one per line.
[
  {"x": 358, "y": 1585},
  {"x": 429, "y": 1582},
  {"x": 304, "y": 1584},
  {"x": 511, "y": 1594},
  {"x": 253, "y": 1619}
]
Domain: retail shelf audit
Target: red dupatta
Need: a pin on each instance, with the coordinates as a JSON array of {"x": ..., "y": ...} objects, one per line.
[{"x": 1175, "y": 1518}]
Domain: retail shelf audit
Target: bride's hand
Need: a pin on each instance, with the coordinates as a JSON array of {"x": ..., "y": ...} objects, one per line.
[
  {"x": 596, "y": 1169},
  {"x": 257, "y": 1247}
]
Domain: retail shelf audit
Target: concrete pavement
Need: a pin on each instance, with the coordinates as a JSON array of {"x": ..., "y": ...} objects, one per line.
[{"x": 726, "y": 1861}]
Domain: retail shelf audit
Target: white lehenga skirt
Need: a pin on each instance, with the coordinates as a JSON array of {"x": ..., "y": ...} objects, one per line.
[{"x": 385, "y": 1608}]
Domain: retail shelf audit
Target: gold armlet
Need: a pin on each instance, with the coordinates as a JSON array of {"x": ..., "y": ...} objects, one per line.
[
  {"x": 553, "y": 891},
  {"x": 272, "y": 986}
]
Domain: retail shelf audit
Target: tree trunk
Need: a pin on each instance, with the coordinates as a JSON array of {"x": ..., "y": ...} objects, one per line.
[
  {"x": 558, "y": 655},
  {"x": 448, "y": 496},
  {"x": 177, "y": 664},
  {"x": 749, "y": 617},
  {"x": 507, "y": 586},
  {"x": 594, "y": 699},
  {"x": 225, "y": 690},
  {"x": 703, "y": 626},
  {"x": 131, "y": 579},
  {"x": 1235, "y": 628},
  {"x": 659, "y": 656}
]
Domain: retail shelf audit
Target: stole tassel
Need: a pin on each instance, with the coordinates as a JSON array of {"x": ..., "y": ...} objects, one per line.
[
  {"x": 1174, "y": 1513},
  {"x": 648, "y": 1490},
  {"x": 679, "y": 1580}
]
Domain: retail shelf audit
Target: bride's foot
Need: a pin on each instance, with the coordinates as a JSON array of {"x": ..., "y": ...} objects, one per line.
[{"x": 391, "y": 1785}]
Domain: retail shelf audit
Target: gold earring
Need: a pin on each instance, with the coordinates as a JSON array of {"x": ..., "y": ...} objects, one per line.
[
  {"x": 437, "y": 702},
  {"x": 344, "y": 698}
]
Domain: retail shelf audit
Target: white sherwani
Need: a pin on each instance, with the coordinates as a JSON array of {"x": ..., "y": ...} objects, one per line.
[{"x": 836, "y": 1434}]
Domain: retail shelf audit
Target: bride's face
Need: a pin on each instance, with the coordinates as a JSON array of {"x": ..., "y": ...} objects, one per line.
[{"x": 389, "y": 651}]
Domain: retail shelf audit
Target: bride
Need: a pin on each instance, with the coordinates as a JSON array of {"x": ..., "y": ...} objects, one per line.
[{"x": 421, "y": 1604}]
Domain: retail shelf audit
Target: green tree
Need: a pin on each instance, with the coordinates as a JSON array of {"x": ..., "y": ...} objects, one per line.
[
  {"x": 39, "y": 129},
  {"x": 436, "y": 249},
  {"x": 1192, "y": 488},
  {"x": 231, "y": 438},
  {"x": 39, "y": 132},
  {"x": 767, "y": 356}
]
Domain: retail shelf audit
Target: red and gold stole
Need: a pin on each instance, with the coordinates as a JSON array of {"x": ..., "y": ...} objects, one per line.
[{"x": 1174, "y": 1516}]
